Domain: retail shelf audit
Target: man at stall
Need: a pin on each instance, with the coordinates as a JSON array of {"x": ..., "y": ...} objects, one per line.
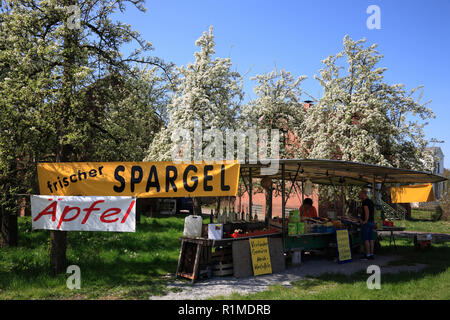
[
  {"x": 307, "y": 210},
  {"x": 367, "y": 218}
]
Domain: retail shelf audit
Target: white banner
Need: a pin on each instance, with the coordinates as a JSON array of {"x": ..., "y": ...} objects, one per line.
[{"x": 83, "y": 213}]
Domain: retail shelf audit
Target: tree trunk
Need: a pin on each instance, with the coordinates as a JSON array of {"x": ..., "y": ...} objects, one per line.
[
  {"x": 58, "y": 244},
  {"x": 138, "y": 210},
  {"x": 197, "y": 206},
  {"x": 58, "y": 239},
  {"x": 9, "y": 229},
  {"x": 218, "y": 205}
]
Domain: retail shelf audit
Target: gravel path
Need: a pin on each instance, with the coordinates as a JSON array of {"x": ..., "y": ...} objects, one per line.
[{"x": 227, "y": 285}]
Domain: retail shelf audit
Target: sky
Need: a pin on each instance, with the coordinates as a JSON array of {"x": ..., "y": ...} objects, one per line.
[{"x": 414, "y": 38}]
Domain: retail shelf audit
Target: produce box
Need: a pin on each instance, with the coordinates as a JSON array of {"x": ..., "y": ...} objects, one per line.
[
  {"x": 294, "y": 216},
  {"x": 301, "y": 228},
  {"x": 215, "y": 231},
  {"x": 292, "y": 228}
]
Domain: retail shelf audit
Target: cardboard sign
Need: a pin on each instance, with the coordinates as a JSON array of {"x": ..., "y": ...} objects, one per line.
[
  {"x": 138, "y": 179},
  {"x": 343, "y": 246},
  {"x": 83, "y": 213},
  {"x": 259, "y": 249}
]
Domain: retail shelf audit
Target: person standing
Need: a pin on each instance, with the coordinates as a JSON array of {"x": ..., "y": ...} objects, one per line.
[
  {"x": 367, "y": 218},
  {"x": 307, "y": 210}
]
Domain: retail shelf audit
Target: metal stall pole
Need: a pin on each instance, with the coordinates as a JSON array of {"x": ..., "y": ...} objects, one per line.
[
  {"x": 302, "y": 213},
  {"x": 283, "y": 205},
  {"x": 250, "y": 191},
  {"x": 374, "y": 198},
  {"x": 344, "y": 206}
]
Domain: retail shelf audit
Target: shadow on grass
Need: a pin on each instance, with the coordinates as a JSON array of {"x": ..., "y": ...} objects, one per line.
[
  {"x": 420, "y": 220},
  {"x": 436, "y": 259},
  {"x": 106, "y": 259}
]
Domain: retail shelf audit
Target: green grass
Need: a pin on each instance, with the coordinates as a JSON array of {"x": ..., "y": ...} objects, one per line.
[
  {"x": 433, "y": 282},
  {"x": 137, "y": 265},
  {"x": 422, "y": 221},
  {"x": 113, "y": 265}
]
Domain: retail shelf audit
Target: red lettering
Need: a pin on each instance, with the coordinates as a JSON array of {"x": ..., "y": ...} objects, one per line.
[
  {"x": 104, "y": 215},
  {"x": 128, "y": 211},
  {"x": 90, "y": 209},
  {"x": 51, "y": 209},
  {"x": 66, "y": 210}
]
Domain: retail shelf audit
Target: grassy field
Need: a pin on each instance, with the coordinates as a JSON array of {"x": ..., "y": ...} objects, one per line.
[
  {"x": 137, "y": 265},
  {"x": 113, "y": 265},
  {"x": 433, "y": 282},
  {"x": 422, "y": 221}
]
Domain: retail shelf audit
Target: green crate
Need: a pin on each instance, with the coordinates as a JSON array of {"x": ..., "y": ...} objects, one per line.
[
  {"x": 301, "y": 228},
  {"x": 294, "y": 216},
  {"x": 292, "y": 228}
]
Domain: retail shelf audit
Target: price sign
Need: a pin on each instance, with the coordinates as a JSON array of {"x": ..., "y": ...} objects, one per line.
[
  {"x": 343, "y": 246},
  {"x": 259, "y": 249}
]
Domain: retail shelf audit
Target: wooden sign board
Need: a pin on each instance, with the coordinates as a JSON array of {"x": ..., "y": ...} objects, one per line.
[
  {"x": 343, "y": 246},
  {"x": 259, "y": 249}
]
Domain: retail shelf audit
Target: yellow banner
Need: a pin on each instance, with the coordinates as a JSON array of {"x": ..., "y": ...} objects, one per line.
[
  {"x": 413, "y": 193},
  {"x": 259, "y": 249},
  {"x": 139, "y": 179}
]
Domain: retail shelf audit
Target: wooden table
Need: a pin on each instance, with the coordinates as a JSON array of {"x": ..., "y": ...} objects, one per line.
[
  {"x": 391, "y": 237},
  {"x": 203, "y": 252}
]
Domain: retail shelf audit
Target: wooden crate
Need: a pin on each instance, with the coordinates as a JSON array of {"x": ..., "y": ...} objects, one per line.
[
  {"x": 222, "y": 262},
  {"x": 194, "y": 259},
  {"x": 222, "y": 269}
]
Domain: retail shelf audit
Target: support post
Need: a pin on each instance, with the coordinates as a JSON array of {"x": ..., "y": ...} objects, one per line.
[
  {"x": 344, "y": 206},
  {"x": 374, "y": 198},
  {"x": 302, "y": 213},
  {"x": 283, "y": 204},
  {"x": 250, "y": 191}
]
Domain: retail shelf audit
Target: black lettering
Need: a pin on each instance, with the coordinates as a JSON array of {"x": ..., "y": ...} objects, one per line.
[
  {"x": 223, "y": 187},
  {"x": 93, "y": 173},
  {"x": 150, "y": 182},
  {"x": 134, "y": 180},
  {"x": 55, "y": 185},
  {"x": 49, "y": 186},
  {"x": 120, "y": 179},
  {"x": 60, "y": 183},
  {"x": 207, "y": 178},
  {"x": 81, "y": 173},
  {"x": 74, "y": 175},
  {"x": 193, "y": 178},
  {"x": 170, "y": 179},
  {"x": 66, "y": 181},
  {"x": 100, "y": 170}
]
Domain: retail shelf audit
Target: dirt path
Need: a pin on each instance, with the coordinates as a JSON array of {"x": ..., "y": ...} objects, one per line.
[{"x": 227, "y": 285}]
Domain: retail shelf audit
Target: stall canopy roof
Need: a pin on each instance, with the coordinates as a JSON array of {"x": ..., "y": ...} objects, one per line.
[{"x": 339, "y": 172}]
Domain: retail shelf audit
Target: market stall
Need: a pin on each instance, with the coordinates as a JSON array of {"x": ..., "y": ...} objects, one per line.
[{"x": 288, "y": 234}]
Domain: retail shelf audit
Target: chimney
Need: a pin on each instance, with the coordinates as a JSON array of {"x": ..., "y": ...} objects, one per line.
[{"x": 307, "y": 103}]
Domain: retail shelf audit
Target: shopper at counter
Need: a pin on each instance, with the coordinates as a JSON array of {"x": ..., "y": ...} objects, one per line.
[{"x": 367, "y": 218}]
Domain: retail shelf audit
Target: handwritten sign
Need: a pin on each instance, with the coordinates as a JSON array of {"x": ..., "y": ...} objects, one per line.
[
  {"x": 343, "y": 246},
  {"x": 259, "y": 249}
]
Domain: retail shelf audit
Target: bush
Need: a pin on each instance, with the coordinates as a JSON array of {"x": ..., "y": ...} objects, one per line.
[{"x": 436, "y": 215}]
